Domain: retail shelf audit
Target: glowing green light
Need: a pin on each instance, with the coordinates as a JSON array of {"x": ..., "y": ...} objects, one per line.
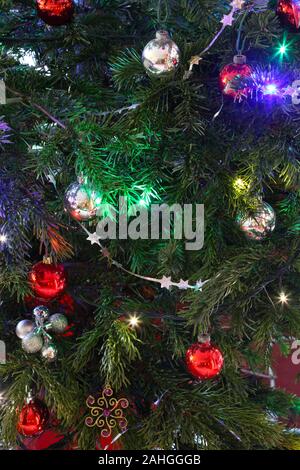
[
  {"x": 282, "y": 49},
  {"x": 143, "y": 202}
]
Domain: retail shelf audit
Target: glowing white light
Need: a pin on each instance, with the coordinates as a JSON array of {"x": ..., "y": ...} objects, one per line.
[
  {"x": 283, "y": 298},
  {"x": 134, "y": 321},
  {"x": 270, "y": 89},
  {"x": 3, "y": 238},
  {"x": 28, "y": 57},
  {"x": 282, "y": 49}
]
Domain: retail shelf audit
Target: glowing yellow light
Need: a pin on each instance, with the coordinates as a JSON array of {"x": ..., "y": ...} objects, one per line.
[
  {"x": 283, "y": 298},
  {"x": 3, "y": 238},
  {"x": 134, "y": 321},
  {"x": 240, "y": 185}
]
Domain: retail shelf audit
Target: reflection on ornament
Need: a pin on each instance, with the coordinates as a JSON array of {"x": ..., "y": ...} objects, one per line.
[
  {"x": 55, "y": 12},
  {"x": 203, "y": 360},
  {"x": 161, "y": 55},
  {"x": 81, "y": 202},
  {"x": 23, "y": 328},
  {"x": 41, "y": 313},
  {"x": 49, "y": 352},
  {"x": 106, "y": 412},
  {"x": 289, "y": 12},
  {"x": 232, "y": 77},
  {"x": 32, "y": 342},
  {"x": 57, "y": 323},
  {"x": 33, "y": 418},
  {"x": 47, "y": 280},
  {"x": 258, "y": 224}
]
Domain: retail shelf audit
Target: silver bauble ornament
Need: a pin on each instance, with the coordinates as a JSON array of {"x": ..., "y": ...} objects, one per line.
[
  {"x": 258, "y": 224},
  {"x": 41, "y": 313},
  {"x": 58, "y": 323},
  {"x": 81, "y": 202},
  {"x": 32, "y": 343},
  {"x": 24, "y": 327},
  {"x": 161, "y": 55},
  {"x": 49, "y": 352}
]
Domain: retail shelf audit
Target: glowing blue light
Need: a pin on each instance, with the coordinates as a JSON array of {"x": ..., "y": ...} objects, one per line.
[{"x": 270, "y": 89}]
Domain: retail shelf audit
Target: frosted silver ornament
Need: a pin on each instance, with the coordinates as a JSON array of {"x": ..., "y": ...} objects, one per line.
[
  {"x": 41, "y": 313},
  {"x": 161, "y": 55},
  {"x": 81, "y": 202},
  {"x": 33, "y": 342},
  {"x": 49, "y": 352},
  {"x": 258, "y": 224},
  {"x": 24, "y": 327},
  {"x": 57, "y": 323}
]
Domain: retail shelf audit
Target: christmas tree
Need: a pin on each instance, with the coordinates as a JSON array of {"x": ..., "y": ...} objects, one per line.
[{"x": 149, "y": 223}]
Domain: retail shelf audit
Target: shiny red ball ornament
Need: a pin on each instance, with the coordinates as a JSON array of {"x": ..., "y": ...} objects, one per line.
[
  {"x": 232, "y": 77},
  {"x": 106, "y": 443},
  {"x": 55, "y": 12},
  {"x": 47, "y": 280},
  {"x": 33, "y": 418},
  {"x": 203, "y": 360},
  {"x": 289, "y": 12}
]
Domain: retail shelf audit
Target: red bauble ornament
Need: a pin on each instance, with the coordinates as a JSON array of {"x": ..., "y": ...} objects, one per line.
[
  {"x": 106, "y": 443},
  {"x": 47, "y": 280},
  {"x": 33, "y": 418},
  {"x": 203, "y": 360},
  {"x": 55, "y": 12},
  {"x": 232, "y": 76},
  {"x": 289, "y": 12}
]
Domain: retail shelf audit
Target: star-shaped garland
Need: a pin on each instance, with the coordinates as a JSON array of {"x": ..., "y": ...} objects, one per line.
[
  {"x": 165, "y": 282},
  {"x": 227, "y": 20}
]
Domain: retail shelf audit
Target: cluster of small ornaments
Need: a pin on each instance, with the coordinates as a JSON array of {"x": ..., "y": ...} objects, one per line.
[
  {"x": 55, "y": 12},
  {"x": 258, "y": 224},
  {"x": 35, "y": 334},
  {"x": 161, "y": 55},
  {"x": 33, "y": 417},
  {"x": 81, "y": 202},
  {"x": 203, "y": 360}
]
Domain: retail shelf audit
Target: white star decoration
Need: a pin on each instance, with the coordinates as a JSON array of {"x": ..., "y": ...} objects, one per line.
[
  {"x": 238, "y": 4},
  {"x": 227, "y": 20},
  {"x": 93, "y": 238},
  {"x": 183, "y": 284},
  {"x": 166, "y": 282},
  {"x": 199, "y": 284}
]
